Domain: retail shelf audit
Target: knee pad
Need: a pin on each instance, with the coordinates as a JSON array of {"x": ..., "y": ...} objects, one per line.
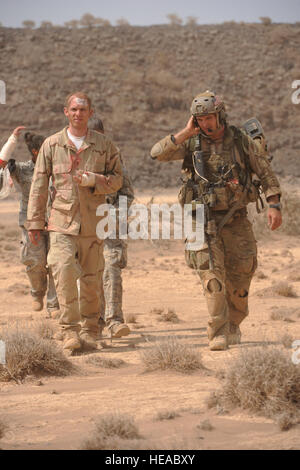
[{"x": 214, "y": 285}]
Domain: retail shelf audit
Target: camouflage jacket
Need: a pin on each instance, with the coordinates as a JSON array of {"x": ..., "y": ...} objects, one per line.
[
  {"x": 74, "y": 207},
  {"x": 125, "y": 190},
  {"x": 22, "y": 178},
  {"x": 219, "y": 153}
]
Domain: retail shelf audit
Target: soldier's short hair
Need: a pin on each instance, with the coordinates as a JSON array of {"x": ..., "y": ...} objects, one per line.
[
  {"x": 78, "y": 94},
  {"x": 96, "y": 124},
  {"x": 33, "y": 141}
]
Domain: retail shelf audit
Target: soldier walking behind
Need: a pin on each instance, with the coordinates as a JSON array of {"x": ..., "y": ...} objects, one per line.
[
  {"x": 115, "y": 259},
  {"x": 219, "y": 162},
  {"x": 34, "y": 257}
]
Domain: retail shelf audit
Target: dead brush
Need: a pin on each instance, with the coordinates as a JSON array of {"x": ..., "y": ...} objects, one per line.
[
  {"x": 113, "y": 431},
  {"x": 44, "y": 329},
  {"x": 284, "y": 289},
  {"x": 205, "y": 426},
  {"x": 170, "y": 353},
  {"x": 29, "y": 354},
  {"x": 286, "y": 341},
  {"x": 105, "y": 362},
  {"x": 131, "y": 318},
  {"x": 3, "y": 429},
  {"x": 166, "y": 414},
  {"x": 169, "y": 316},
  {"x": 263, "y": 380}
]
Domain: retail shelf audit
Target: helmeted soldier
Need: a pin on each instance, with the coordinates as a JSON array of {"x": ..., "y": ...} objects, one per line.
[
  {"x": 84, "y": 166},
  {"x": 34, "y": 257},
  {"x": 220, "y": 164}
]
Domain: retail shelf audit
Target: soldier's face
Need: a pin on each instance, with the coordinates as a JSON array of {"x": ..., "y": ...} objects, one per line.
[
  {"x": 78, "y": 113},
  {"x": 208, "y": 124}
]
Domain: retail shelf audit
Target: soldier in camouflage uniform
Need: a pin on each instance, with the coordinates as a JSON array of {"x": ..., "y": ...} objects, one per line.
[
  {"x": 33, "y": 257},
  {"x": 115, "y": 259},
  {"x": 227, "y": 261},
  {"x": 84, "y": 166}
]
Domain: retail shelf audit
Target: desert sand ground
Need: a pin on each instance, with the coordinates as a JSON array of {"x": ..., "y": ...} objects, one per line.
[{"x": 59, "y": 413}]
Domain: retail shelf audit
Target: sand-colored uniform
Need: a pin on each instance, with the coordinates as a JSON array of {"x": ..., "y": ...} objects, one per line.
[
  {"x": 227, "y": 271},
  {"x": 75, "y": 251},
  {"x": 115, "y": 258}
]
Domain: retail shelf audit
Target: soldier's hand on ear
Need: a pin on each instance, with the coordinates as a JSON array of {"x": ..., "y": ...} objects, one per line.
[
  {"x": 189, "y": 131},
  {"x": 191, "y": 126}
]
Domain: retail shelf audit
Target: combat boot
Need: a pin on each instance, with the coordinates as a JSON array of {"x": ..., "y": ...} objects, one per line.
[
  {"x": 88, "y": 340},
  {"x": 235, "y": 334},
  {"x": 220, "y": 341},
  {"x": 117, "y": 330},
  {"x": 71, "y": 340},
  {"x": 37, "y": 304}
]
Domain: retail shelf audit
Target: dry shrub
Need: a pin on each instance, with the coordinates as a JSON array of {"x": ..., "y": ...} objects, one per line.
[
  {"x": 277, "y": 315},
  {"x": 166, "y": 414},
  {"x": 130, "y": 318},
  {"x": 260, "y": 275},
  {"x": 169, "y": 316},
  {"x": 29, "y": 354},
  {"x": 44, "y": 329},
  {"x": 205, "y": 426},
  {"x": 170, "y": 353},
  {"x": 285, "y": 421},
  {"x": 283, "y": 314},
  {"x": 157, "y": 311},
  {"x": 263, "y": 380},
  {"x": 3, "y": 429},
  {"x": 286, "y": 340},
  {"x": 284, "y": 289},
  {"x": 113, "y": 431},
  {"x": 105, "y": 362}
]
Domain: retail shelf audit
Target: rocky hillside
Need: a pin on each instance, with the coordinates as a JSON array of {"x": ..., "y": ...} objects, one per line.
[{"x": 142, "y": 81}]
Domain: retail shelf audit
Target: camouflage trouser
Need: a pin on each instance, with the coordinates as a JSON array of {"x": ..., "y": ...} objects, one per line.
[
  {"x": 34, "y": 257},
  {"x": 71, "y": 258},
  {"x": 115, "y": 258},
  {"x": 226, "y": 286}
]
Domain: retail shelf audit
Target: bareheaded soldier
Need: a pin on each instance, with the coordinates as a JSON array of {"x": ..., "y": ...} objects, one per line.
[
  {"x": 84, "y": 166},
  {"x": 220, "y": 164}
]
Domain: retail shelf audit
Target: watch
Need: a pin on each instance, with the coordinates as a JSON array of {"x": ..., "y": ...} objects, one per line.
[{"x": 275, "y": 206}]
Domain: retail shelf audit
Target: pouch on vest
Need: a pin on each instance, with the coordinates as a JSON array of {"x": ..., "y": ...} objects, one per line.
[{"x": 186, "y": 193}]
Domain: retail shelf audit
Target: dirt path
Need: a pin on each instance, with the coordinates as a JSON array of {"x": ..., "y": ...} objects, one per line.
[{"x": 58, "y": 413}]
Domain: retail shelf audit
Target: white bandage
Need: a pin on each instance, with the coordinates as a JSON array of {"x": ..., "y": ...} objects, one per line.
[
  {"x": 8, "y": 148},
  {"x": 81, "y": 102},
  {"x": 88, "y": 179}
]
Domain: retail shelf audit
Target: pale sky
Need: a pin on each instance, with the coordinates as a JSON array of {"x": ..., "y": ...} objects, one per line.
[{"x": 141, "y": 12}]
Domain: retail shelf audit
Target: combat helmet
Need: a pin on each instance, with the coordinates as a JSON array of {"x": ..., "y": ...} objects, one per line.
[{"x": 209, "y": 103}]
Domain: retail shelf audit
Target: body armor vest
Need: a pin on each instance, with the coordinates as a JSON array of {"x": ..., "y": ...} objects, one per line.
[{"x": 227, "y": 169}]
